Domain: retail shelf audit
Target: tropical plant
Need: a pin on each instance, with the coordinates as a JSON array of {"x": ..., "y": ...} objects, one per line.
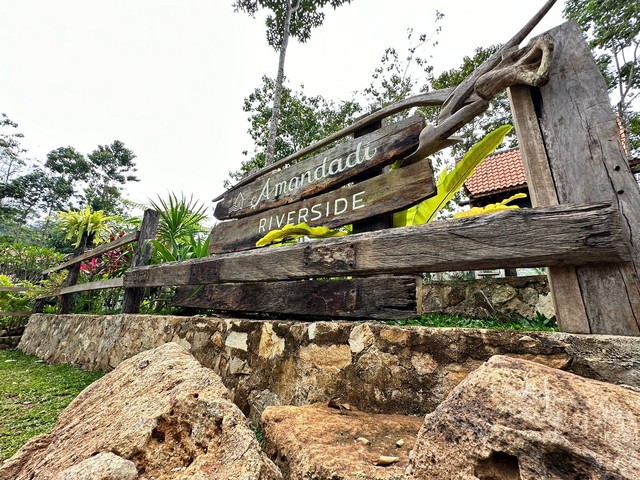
[
  {"x": 294, "y": 232},
  {"x": 450, "y": 181},
  {"x": 77, "y": 223},
  {"x": 181, "y": 228}
]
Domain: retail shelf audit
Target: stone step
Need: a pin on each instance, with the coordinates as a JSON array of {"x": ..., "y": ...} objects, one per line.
[{"x": 319, "y": 442}]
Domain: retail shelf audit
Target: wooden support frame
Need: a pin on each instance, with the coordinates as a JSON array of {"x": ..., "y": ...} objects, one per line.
[{"x": 572, "y": 152}]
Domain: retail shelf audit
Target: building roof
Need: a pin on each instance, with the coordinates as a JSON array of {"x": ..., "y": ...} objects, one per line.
[{"x": 499, "y": 172}]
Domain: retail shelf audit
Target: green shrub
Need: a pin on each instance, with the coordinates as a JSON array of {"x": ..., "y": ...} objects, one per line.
[{"x": 26, "y": 262}]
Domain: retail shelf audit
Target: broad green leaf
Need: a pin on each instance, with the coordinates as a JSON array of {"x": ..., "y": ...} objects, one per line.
[
  {"x": 491, "y": 208},
  {"x": 450, "y": 181},
  {"x": 297, "y": 231}
]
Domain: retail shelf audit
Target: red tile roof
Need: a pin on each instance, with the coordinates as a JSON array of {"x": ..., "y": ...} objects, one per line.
[{"x": 499, "y": 172}]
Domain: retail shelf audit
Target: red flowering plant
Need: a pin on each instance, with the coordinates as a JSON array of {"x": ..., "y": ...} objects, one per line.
[{"x": 111, "y": 264}]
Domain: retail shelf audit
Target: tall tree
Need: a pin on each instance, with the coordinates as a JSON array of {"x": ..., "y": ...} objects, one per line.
[
  {"x": 11, "y": 154},
  {"x": 287, "y": 18},
  {"x": 612, "y": 28},
  {"x": 305, "y": 119}
]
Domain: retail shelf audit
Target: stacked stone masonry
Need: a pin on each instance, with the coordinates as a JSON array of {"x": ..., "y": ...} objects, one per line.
[{"x": 375, "y": 367}]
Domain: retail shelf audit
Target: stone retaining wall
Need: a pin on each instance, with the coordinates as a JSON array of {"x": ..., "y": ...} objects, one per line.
[
  {"x": 373, "y": 366},
  {"x": 489, "y": 297}
]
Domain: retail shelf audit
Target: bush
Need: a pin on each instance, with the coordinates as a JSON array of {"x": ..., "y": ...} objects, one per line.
[{"x": 26, "y": 262}]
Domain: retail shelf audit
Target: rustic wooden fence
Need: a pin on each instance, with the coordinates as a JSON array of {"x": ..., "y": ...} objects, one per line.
[
  {"x": 132, "y": 296},
  {"x": 585, "y": 224}
]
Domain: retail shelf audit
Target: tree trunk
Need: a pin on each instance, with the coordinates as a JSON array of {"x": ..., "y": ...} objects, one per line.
[{"x": 275, "y": 111}]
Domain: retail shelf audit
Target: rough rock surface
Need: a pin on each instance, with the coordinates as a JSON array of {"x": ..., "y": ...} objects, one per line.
[
  {"x": 103, "y": 466},
  {"x": 513, "y": 419},
  {"x": 375, "y": 367},
  {"x": 488, "y": 297},
  {"x": 163, "y": 411},
  {"x": 318, "y": 442}
]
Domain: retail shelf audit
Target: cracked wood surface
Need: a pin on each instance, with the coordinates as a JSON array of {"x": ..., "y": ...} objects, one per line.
[
  {"x": 380, "y": 298},
  {"x": 563, "y": 235},
  {"x": 588, "y": 164},
  {"x": 386, "y": 193},
  {"x": 389, "y": 143}
]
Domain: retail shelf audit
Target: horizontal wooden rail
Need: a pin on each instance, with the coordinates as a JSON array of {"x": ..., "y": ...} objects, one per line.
[
  {"x": 14, "y": 289},
  {"x": 15, "y": 314},
  {"x": 85, "y": 287},
  {"x": 107, "y": 247},
  {"x": 561, "y": 235}
]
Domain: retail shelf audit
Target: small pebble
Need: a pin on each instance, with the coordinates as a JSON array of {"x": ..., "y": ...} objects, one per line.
[
  {"x": 400, "y": 443},
  {"x": 363, "y": 441}
]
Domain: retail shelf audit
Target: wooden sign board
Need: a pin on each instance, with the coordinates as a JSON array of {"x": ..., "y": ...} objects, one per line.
[
  {"x": 330, "y": 169},
  {"x": 389, "y": 192}
]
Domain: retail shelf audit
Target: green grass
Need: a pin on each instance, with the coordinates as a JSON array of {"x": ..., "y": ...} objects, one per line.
[
  {"x": 32, "y": 395},
  {"x": 441, "y": 320}
]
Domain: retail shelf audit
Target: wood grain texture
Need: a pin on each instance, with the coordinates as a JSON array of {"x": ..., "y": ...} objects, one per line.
[
  {"x": 386, "y": 193},
  {"x": 85, "y": 287},
  {"x": 148, "y": 229},
  {"x": 588, "y": 164},
  {"x": 104, "y": 248},
  {"x": 563, "y": 281},
  {"x": 562, "y": 235},
  {"x": 15, "y": 314},
  {"x": 325, "y": 171},
  {"x": 380, "y": 298}
]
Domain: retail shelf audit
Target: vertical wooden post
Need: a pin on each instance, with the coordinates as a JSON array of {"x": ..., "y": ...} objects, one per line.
[
  {"x": 66, "y": 300},
  {"x": 579, "y": 159},
  {"x": 148, "y": 229}
]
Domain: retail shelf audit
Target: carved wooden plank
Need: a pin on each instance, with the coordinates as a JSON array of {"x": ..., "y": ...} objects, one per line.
[
  {"x": 562, "y": 235},
  {"x": 563, "y": 281},
  {"x": 15, "y": 314},
  {"x": 588, "y": 164},
  {"x": 85, "y": 287},
  {"x": 433, "y": 98},
  {"x": 386, "y": 193},
  {"x": 382, "y": 298},
  {"x": 106, "y": 247},
  {"x": 324, "y": 171}
]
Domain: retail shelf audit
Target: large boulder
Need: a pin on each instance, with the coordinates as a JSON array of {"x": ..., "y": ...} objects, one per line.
[
  {"x": 161, "y": 410},
  {"x": 514, "y": 419},
  {"x": 316, "y": 442}
]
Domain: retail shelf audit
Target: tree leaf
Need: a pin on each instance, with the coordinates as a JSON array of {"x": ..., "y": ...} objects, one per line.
[{"x": 450, "y": 181}]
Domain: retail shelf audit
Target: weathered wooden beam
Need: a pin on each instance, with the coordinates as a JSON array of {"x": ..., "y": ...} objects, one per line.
[
  {"x": 104, "y": 248},
  {"x": 85, "y": 287},
  {"x": 563, "y": 235},
  {"x": 14, "y": 289},
  {"x": 386, "y": 193},
  {"x": 15, "y": 314},
  {"x": 148, "y": 230},
  {"x": 324, "y": 171},
  {"x": 563, "y": 281},
  {"x": 382, "y": 298},
  {"x": 588, "y": 164}
]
